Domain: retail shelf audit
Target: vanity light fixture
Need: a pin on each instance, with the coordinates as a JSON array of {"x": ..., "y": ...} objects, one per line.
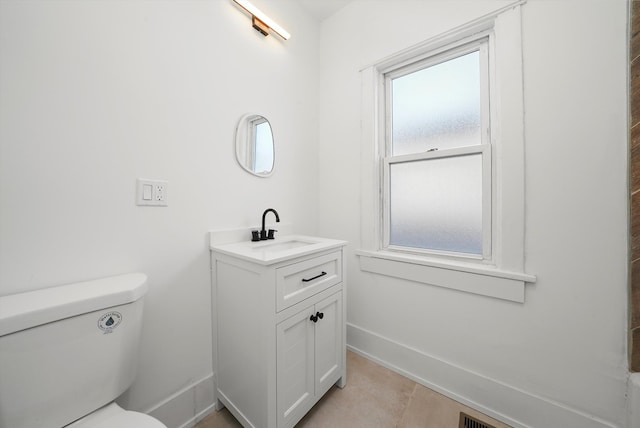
[{"x": 262, "y": 22}]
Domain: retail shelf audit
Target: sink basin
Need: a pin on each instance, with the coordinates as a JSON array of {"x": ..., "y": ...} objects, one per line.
[
  {"x": 280, "y": 249},
  {"x": 281, "y": 246}
]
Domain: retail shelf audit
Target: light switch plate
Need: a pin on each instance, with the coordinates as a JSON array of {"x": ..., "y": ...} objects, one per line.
[{"x": 152, "y": 192}]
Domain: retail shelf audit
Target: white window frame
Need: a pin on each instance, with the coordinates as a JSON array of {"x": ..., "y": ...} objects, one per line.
[
  {"x": 484, "y": 148},
  {"x": 500, "y": 275}
]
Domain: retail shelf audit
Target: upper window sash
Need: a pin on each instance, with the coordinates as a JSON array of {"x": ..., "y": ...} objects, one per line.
[{"x": 481, "y": 45}]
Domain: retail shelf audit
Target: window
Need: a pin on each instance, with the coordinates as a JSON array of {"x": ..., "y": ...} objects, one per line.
[
  {"x": 442, "y": 157},
  {"x": 437, "y": 168}
]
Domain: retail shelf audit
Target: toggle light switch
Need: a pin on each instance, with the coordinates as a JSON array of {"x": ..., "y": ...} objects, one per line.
[{"x": 147, "y": 192}]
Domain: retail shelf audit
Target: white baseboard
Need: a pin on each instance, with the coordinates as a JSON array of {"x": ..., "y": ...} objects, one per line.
[
  {"x": 188, "y": 406},
  {"x": 503, "y": 402},
  {"x": 494, "y": 398},
  {"x": 633, "y": 401}
]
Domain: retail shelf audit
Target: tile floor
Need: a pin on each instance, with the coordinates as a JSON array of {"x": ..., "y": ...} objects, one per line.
[{"x": 374, "y": 397}]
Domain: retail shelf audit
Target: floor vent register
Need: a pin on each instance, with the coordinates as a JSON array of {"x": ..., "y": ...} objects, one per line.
[{"x": 467, "y": 421}]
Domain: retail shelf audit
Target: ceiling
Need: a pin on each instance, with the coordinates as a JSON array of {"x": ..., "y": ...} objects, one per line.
[{"x": 321, "y": 9}]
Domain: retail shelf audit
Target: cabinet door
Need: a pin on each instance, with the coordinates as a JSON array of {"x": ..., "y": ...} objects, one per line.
[
  {"x": 328, "y": 343},
  {"x": 295, "y": 365}
]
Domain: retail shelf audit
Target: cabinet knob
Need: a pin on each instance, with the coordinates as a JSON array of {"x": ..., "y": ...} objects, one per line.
[
  {"x": 319, "y": 315},
  {"x": 313, "y": 318}
]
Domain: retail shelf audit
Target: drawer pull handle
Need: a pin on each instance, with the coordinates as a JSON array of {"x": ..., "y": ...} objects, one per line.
[{"x": 315, "y": 277}]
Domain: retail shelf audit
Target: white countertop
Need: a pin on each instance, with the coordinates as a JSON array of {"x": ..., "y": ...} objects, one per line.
[{"x": 276, "y": 250}]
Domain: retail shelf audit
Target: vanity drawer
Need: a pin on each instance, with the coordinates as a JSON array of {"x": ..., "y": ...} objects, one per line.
[{"x": 296, "y": 282}]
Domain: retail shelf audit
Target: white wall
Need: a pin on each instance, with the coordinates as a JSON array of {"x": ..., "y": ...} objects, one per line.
[
  {"x": 559, "y": 359},
  {"x": 94, "y": 94}
]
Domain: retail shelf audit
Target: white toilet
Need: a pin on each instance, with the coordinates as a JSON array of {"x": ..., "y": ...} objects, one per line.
[{"x": 67, "y": 352}]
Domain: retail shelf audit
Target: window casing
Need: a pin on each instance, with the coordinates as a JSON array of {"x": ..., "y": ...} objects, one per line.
[{"x": 499, "y": 270}]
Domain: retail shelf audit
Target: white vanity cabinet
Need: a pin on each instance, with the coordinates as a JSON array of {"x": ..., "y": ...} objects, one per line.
[{"x": 279, "y": 330}]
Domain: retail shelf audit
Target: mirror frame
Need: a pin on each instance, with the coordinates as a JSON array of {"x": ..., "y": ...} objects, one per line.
[{"x": 243, "y": 143}]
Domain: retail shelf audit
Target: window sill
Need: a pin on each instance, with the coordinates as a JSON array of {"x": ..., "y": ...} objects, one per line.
[{"x": 477, "y": 279}]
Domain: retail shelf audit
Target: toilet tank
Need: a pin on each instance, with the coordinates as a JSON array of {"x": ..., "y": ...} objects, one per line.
[{"x": 66, "y": 351}]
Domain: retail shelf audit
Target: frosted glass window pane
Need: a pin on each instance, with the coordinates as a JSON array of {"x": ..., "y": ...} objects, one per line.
[
  {"x": 437, "y": 204},
  {"x": 437, "y": 107}
]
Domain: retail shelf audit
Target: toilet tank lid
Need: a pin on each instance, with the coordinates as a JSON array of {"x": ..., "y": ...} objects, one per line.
[{"x": 33, "y": 308}]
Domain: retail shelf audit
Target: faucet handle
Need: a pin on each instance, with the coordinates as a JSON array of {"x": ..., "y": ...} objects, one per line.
[
  {"x": 270, "y": 235},
  {"x": 255, "y": 235}
]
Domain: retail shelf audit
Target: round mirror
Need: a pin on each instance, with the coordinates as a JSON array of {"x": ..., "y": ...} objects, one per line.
[{"x": 255, "y": 150}]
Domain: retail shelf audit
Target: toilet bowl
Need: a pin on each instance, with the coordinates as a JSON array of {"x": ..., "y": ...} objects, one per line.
[{"x": 68, "y": 352}]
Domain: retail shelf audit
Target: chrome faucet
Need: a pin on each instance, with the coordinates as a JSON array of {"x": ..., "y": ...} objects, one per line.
[{"x": 264, "y": 235}]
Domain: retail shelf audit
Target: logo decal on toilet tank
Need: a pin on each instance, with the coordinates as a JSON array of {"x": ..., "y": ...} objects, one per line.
[{"x": 109, "y": 321}]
